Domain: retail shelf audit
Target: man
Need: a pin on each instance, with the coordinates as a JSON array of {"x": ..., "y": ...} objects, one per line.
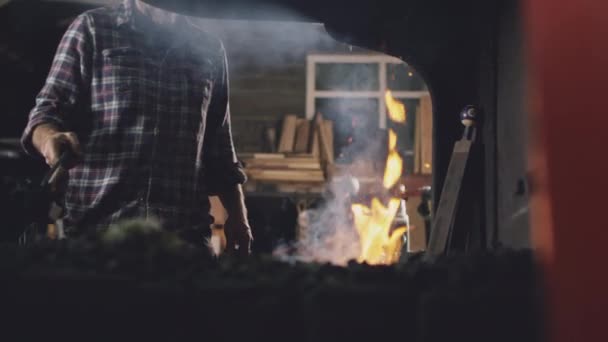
[{"x": 141, "y": 96}]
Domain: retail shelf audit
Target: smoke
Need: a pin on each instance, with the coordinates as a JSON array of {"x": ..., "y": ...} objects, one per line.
[
  {"x": 269, "y": 44},
  {"x": 327, "y": 233},
  {"x": 268, "y": 71},
  {"x": 260, "y": 49}
]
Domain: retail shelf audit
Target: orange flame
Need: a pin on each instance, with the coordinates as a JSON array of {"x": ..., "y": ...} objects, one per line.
[
  {"x": 378, "y": 244},
  {"x": 396, "y": 109},
  {"x": 394, "y": 162},
  {"x": 392, "y": 140}
]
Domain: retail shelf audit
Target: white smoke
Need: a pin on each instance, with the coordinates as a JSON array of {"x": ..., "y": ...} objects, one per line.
[
  {"x": 327, "y": 233},
  {"x": 269, "y": 44}
]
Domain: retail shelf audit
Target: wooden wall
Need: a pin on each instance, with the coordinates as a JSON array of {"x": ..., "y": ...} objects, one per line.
[{"x": 267, "y": 63}]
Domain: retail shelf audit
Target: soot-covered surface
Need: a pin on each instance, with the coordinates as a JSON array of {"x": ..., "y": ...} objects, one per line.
[{"x": 148, "y": 284}]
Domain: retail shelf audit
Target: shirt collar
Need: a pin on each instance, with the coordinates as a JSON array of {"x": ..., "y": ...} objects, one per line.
[{"x": 125, "y": 14}]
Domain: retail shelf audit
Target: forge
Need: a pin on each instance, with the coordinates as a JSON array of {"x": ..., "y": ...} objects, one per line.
[{"x": 382, "y": 279}]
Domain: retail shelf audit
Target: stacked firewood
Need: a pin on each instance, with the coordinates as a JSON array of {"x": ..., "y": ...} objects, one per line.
[{"x": 304, "y": 157}]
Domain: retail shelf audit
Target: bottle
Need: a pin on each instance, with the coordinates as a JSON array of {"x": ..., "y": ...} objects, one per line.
[{"x": 402, "y": 219}]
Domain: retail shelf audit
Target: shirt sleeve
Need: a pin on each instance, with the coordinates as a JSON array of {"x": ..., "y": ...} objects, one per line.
[
  {"x": 222, "y": 169},
  {"x": 65, "y": 83}
]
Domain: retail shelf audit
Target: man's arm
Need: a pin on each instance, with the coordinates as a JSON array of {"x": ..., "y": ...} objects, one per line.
[
  {"x": 47, "y": 131},
  {"x": 233, "y": 200},
  {"x": 224, "y": 175},
  {"x": 237, "y": 228}
]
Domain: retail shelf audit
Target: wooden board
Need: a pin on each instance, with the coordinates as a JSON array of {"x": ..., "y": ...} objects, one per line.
[
  {"x": 446, "y": 209},
  {"x": 286, "y": 143},
  {"x": 417, "y": 143},
  {"x": 286, "y": 175},
  {"x": 300, "y": 155},
  {"x": 284, "y": 159},
  {"x": 302, "y": 136},
  {"x": 282, "y": 164},
  {"x": 301, "y": 188},
  {"x": 328, "y": 127},
  {"x": 245, "y": 156},
  {"x": 314, "y": 150},
  {"x": 426, "y": 135},
  {"x": 324, "y": 142}
]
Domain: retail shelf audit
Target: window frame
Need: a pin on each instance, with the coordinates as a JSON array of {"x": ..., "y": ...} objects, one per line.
[{"x": 382, "y": 60}]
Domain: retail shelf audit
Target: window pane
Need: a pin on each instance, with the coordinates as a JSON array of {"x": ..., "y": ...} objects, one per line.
[
  {"x": 355, "y": 120},
  {"x": 406, "y": 133},
  {"x": 347, "y": 76},
  {"x": 403, "y": 77}
]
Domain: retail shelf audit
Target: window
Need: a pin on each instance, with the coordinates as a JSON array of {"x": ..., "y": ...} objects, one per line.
[{"x": 351, "y": 89}]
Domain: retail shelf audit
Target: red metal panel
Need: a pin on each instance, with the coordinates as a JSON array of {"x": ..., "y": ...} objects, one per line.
[{"x": 568, "y": 50}]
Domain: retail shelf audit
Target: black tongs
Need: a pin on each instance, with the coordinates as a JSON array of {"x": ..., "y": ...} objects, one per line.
[{"x": 61, "y": 165}]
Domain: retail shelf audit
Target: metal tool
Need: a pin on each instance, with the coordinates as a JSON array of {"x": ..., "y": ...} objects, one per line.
[
  {"x": 43, "y": 202},
  {"x": 60, "y": 166}
]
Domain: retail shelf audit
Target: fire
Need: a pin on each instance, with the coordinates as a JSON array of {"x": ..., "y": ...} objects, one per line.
[
  {"x": 392, "y": 140},
  {"x": 394, "y": 164},
  {"x": 380, "y": 245},
  {"x": 396, "y": 109}
]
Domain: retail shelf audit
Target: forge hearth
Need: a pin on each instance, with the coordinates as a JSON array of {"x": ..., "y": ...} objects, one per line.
[{"x": 150, "y": 285}]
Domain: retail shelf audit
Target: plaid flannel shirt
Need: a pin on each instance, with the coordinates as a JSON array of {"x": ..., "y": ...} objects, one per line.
[{"x": 152, "y": 114}]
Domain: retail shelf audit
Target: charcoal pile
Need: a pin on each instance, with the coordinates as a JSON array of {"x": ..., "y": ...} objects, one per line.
[{"x": 143, "y": 283}]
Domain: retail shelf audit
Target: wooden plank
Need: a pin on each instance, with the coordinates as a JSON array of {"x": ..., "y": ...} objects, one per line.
[
  {"x": 448, "y": 202},
  {"x": 417, "y": 143},
  {"x": 314, "y": 150},
  {"x": 328, "y": 127},
  {"x": 284, "y": 159},
  {"x": 300, "y": 155},
  {"x": 426, "y": 130},
  {"x": 300, "y": 188},
  {"x": 298, "y": 166},
  {"x": 326, "y": 153},
  {"x": 283, "y": 166},
  {"x": 245, "y": 156},
  {"x": 286, "y": 143},
  {"x": 302, "y": 136},
  {"x": 286, "y": 175}
]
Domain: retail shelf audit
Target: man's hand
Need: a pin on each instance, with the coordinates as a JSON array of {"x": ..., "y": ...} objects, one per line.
[
  {"x": 51, "y": 143},
  {"x": 237, "y": 230},
  {"x": 238, "y": 236}
]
